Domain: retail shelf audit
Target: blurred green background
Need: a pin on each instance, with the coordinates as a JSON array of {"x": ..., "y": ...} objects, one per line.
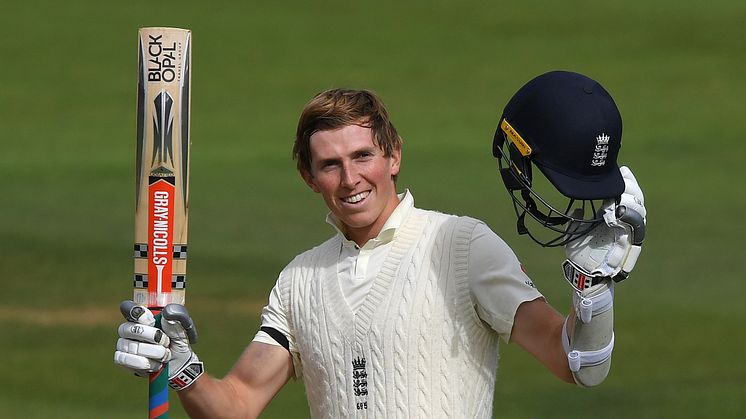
[{"x": 677, "y": 70}]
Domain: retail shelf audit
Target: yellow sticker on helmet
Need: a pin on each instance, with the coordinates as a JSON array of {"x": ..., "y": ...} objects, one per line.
[{"x": 515, "y": 138}]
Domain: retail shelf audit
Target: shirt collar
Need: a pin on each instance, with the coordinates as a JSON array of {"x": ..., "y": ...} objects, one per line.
[{"x": 406, "y": 203}]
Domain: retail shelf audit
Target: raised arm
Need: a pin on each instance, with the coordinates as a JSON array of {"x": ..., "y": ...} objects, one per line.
[{"x": 581, "y": 345}]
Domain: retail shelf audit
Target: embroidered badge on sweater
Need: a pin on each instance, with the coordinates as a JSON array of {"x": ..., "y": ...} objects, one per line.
[{"x": 360, "y": 383}]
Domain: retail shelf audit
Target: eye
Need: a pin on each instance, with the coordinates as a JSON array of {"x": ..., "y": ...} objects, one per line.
[
  {"x": 329, "y": 165},
  {"x": 365, "y": 155}
]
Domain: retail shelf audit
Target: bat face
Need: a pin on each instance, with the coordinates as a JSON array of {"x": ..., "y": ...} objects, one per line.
[{"x": 162, "y": 169}]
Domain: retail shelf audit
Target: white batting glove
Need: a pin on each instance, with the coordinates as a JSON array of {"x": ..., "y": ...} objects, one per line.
[
  {"x": 143, "y": 348},
  {"x": 611, "y": 249}
]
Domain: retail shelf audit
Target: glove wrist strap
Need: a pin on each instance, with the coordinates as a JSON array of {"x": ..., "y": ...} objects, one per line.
[
  {"x": 579, "y": 278},
  {"x": 187, "y": 375}
]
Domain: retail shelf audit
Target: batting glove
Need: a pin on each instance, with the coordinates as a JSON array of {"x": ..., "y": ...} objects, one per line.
[
  {"x": 143, "y": 348},
  {"x": 611, "y": 249}
]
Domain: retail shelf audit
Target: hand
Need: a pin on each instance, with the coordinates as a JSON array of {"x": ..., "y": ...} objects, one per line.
[
  {"x": 611, "y": 249},
  {"x": 143, "y": 348}
]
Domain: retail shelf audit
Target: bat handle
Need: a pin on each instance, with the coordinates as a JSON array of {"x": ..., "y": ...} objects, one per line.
[{"x": 158, "y": 385}]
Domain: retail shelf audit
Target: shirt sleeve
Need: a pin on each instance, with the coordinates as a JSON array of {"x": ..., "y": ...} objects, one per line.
[
  {"x": 497, "y": 280},
  {"x": 275, "y": 316}
]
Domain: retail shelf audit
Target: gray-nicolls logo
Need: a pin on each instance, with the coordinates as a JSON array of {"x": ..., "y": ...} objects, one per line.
[
  {"x": 601, "y": 150},
  {"x": 360, "y": 382}
]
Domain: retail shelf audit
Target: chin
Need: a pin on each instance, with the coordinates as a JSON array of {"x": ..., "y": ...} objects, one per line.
[{"x": 357, "y": 224}]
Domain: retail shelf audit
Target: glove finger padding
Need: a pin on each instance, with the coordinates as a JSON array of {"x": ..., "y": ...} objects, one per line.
[
  {"x": 630, "y": 214},
  {"x": 136, "y": 313},
  {"x": 141, "y": 348},
  {"x": 630, "y": 211},
  {"x": 139, "y": 365},
  {"x": 142, "y": 333},
  {"x": 142, "y": 358},
  {"x": 155, "y": 352},
  {"x": 636, "y": 199},
  {"x": 177, "y": 324}
]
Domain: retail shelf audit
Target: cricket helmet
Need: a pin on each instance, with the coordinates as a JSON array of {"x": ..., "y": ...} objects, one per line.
[{"x": 568, "y": 126}]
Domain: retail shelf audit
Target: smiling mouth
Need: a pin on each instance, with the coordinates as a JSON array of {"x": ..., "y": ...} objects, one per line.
[{"x": 354, "y": 199}]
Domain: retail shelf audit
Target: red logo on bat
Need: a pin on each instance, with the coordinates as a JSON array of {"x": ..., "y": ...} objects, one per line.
[{"x": 160, "y": 241}]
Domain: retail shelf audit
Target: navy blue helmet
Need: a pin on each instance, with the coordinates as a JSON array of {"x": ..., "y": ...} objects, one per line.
[{"x": 568, "y": 126}]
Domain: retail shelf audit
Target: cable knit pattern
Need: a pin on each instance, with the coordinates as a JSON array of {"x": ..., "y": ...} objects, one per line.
[
  {"x": 340, "y": 363},
  {"x": 427, "y": 354},
  {"x": 402, "y": 327},
  {"x": 423, "y": 301},
  {"x": 378, "y": 376},
  {"x": 446, "y": 399}
]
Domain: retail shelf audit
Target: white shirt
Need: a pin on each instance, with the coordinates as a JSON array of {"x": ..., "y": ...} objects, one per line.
[
  {"x": 358, "y": 266},
  {"x": 496, "y": 278}
]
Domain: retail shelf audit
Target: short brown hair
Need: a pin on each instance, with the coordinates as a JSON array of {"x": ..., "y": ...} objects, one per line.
[{"x": 338, "y": 108}]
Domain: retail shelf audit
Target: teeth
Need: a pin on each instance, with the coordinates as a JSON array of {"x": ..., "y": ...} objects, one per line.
[{"x": 355, "y": 198}]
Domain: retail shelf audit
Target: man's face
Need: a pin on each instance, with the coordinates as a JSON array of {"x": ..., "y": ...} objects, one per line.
[{"x": 350, "y": 171}]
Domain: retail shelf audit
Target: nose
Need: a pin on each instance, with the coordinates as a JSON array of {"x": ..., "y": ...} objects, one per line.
[{"x": 350, "y": 177}]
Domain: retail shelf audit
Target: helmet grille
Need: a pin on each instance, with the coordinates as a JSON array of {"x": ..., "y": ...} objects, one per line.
[{"x": 547, "y": 223}]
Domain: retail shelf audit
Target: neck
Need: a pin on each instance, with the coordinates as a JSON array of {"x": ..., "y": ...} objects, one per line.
[{"x": 361, "y": 235}]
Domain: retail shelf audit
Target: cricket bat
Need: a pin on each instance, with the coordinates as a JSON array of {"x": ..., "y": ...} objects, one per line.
[{"x": 162, "y": 180}]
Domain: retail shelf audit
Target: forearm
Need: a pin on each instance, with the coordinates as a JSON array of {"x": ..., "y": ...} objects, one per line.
[
  {"x": 210, "y": 397},
  {"x": 537, "y": 328},
  {"x": 558, "y": 357},
  {"x": 245, "y": 392}
]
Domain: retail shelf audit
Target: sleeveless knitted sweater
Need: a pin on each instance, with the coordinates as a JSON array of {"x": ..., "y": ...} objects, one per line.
[{"x": 415, "y": 348}]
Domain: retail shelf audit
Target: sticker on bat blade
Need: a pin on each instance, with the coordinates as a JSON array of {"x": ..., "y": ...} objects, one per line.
[{"x": 160, "y": 241}]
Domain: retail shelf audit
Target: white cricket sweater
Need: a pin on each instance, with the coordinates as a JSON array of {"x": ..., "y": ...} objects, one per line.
[{"x": 415, "y": 348}]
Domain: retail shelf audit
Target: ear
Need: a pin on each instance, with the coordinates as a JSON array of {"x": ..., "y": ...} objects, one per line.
[
  {"x": 309, "y": 179},
  {"x": 395, "y": 160}
]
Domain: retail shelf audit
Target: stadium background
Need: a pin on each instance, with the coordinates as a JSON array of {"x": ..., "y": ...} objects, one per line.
[{"x": 445, "y": 69}]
